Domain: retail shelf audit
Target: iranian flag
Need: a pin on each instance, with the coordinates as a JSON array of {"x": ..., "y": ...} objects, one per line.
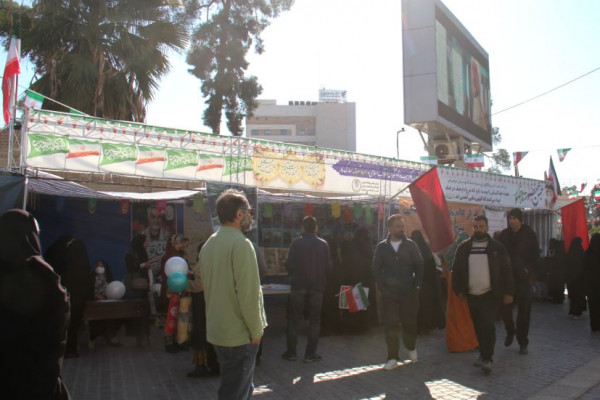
[
  {"x": 11, "y": 70},
  {"x": 597, "y": 194},
  {"x": 33, "y": 100},
  {"x": 357, "y": 298},
  {"x": 431, "y": 160},
  {"x": 562, "y": 153},
  {"x": 474, "y": 160},
  {"x": 518, "y": 156}
]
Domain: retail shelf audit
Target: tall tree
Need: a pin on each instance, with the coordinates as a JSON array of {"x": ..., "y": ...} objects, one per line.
[
  {"x": 500, "y": 159},
  {"x": 104, "y": 58},
  {"x": 218, "y": 56}
]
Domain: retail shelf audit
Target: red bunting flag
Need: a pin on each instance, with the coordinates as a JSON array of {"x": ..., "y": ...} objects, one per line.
[
  {"x": 430, "y": 202},
  {"x": 518, "y": 156},
  {"x": 574, "y": 223}
]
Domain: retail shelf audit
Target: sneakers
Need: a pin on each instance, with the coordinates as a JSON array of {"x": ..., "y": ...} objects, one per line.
[
  {"x": 509, "y": 339},
  {"x": 412, "y": 355},
  {"x": 390, "y": 364},
  {"x": 523, "y": 350},
  {"x": 312, "y": 358},
  {"x": 486, "y": 366},
  {"x": 289, "y": 356},
  {"x": 478, "y": 363}
]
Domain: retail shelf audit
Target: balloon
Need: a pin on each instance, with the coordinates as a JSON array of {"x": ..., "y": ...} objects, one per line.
[
  {"x": 115, "y": 290},
  {"x": 176, "y": 264},
  {"x": 177, "y": 282}
]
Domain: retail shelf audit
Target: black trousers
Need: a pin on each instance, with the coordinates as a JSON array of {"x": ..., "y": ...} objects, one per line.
[
  {"x": 401, "y": 309},
  {"x": 483, "y": 309},
  {"x": 522, "y": 299}
]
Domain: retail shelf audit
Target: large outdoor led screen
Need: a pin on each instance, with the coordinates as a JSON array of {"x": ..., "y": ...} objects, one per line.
[
  {"x": 446, "y": 75},
  {"x": 463, "y": 79}
]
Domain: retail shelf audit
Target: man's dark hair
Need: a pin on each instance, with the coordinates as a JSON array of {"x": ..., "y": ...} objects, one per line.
[
  {"x": 228, "y": 204},
  {"x": 392, "y": 218},
  {"x": 309, "y": 224},
  {"x": 517, "y": 213},
  {"x": 481, "y": 218}
]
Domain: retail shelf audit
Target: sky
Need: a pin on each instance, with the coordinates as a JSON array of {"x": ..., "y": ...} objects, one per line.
[{"x": 533, "y": 47}]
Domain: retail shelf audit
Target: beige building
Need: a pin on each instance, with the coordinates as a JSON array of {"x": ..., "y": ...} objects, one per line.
[{"x": 329, "y": 125}]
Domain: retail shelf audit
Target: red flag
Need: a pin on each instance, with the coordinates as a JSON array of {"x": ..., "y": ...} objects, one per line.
[
  {"x": 309, "y": 209},
  {"x": 574, "y": 223},
  {"x": 518, "y": 156},
  {"x": 430, "y": 202},
  {"x": 11, "y": 70}
]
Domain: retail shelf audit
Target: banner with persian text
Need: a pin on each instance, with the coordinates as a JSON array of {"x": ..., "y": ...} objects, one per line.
[{"x": 59, "y": 141}]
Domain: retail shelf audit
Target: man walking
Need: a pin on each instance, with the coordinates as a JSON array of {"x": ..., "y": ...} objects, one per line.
[
  {"x": 522, "y": 246},
  {"x": 308, "y": 263},
  {"x": 398, "y": 271},
  {"x": 481, "y": 273},
  {"x": 235, "y": 315}
]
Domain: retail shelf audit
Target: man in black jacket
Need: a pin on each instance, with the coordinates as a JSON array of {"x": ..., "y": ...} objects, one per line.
[
  {"x": 308, "y": 263},
  {"x": 481, "y": 273},
  {"x": 522, "y": 246},
  {"x": 398, "y": 271}
]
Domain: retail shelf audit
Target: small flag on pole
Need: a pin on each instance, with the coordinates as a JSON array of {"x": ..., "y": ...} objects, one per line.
[
  {"x": 357, "y": 299},
  {"x": 596, "y": 194},
  {"x": 474, "y": 160},
  {"x": 583, "y": 185},
  {"x": 554, "y": 178},
  {"x": 432, "y": 160},
  {"x": 33, "y": 100},
  {"x": 518, "y": 156},
  {"x": 562, "y": 153}
]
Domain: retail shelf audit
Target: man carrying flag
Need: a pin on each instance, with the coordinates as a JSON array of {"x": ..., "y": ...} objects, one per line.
[
  {"x": 398, "y": 271},
  {"x": 11, "y": 71}
]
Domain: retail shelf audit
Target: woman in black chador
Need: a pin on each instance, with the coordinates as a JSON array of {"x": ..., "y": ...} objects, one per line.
[
  {"x": 431, "y": 312},
  {"x": 575, "y": 279},
  {"x": 69, "y": 258},
  {"x": 34, "y": 310},
  {"x": 555, "y": 261},
  {"x": 592, "y": 278}
]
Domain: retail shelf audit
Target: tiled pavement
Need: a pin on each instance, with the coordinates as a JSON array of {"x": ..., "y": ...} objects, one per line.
[{"x": 563, "y": 363}]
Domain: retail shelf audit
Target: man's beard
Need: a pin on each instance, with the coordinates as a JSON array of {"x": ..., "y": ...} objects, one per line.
[
  {"x": 399, "y": 236},
  {"x": 246, "y": 226},
  {"x": 479, "y": 236}
]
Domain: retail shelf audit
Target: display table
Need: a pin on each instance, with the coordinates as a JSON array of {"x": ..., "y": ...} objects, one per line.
[{"x": 116, "y": 309}]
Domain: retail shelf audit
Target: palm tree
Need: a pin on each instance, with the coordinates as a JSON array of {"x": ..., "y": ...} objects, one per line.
[{"x": 104, "y": 58}]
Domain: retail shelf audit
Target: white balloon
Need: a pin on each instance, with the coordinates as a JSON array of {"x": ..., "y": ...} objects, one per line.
[
  {"x": 115, "y": 290},
  {"x": 176, "y": 264}
]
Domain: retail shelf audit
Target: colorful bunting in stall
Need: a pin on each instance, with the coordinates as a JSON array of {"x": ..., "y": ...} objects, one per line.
[
  {"x": 92, "y": 206},
  {"x": 562, "y": 153},
  {"x": 161, "y": 207},
  {"x": 380, "y": 211},
  {"x": 309, "y": 209},
  {"x": 518, "y": 156},
  {"x": 369, "y": 216},
  {"x": 474, "y": 160},
  {"x": 336, "y": 210},
  {"x": 348, "y": 217},
  {"x": 267, "y": 210},
  {"x": 358, "y": 210},
  {"x": 124, "y": 206},
  {"x": 430, "y": 202}
]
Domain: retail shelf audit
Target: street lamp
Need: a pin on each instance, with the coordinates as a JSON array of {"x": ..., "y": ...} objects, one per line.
[{"x": 398, "y": 143}]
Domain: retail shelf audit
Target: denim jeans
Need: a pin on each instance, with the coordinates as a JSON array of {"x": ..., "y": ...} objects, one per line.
[
  {"x": 237, "y": 371},
  {"x": 298, "y": 299}
]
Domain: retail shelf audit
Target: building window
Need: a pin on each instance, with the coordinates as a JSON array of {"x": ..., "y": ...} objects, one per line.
[
  {"x": 285, "y": 132},
  {"x": 301, "y": 132},
  {"x": 254, "y": 132},
  {"x": 267, "y": 132},
  {"x": 310, "y": 132}
]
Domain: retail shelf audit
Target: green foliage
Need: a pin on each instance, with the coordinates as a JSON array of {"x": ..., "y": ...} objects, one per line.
[
  {"x": 218, "y": 56},
  {"x": 104, "y": 58},
  {"x": 501, "y": 160}
]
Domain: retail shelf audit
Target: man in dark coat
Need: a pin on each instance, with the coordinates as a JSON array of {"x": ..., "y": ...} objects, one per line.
[
  {"x": 523, "y": 250},
  {"x": 308, "y": 263},
  {"x": 398, "y": 270},
  {"x": 481, "y": 273}
]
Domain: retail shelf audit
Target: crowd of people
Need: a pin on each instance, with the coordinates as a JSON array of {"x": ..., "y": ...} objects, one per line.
[{"x": 475, "y": 282}]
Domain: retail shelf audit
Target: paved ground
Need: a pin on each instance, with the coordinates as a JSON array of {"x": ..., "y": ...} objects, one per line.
[{"x": 563, "y": 363}]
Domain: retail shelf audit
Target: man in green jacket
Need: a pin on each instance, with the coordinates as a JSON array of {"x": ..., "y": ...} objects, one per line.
[{"x": 235, "y": 315}]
